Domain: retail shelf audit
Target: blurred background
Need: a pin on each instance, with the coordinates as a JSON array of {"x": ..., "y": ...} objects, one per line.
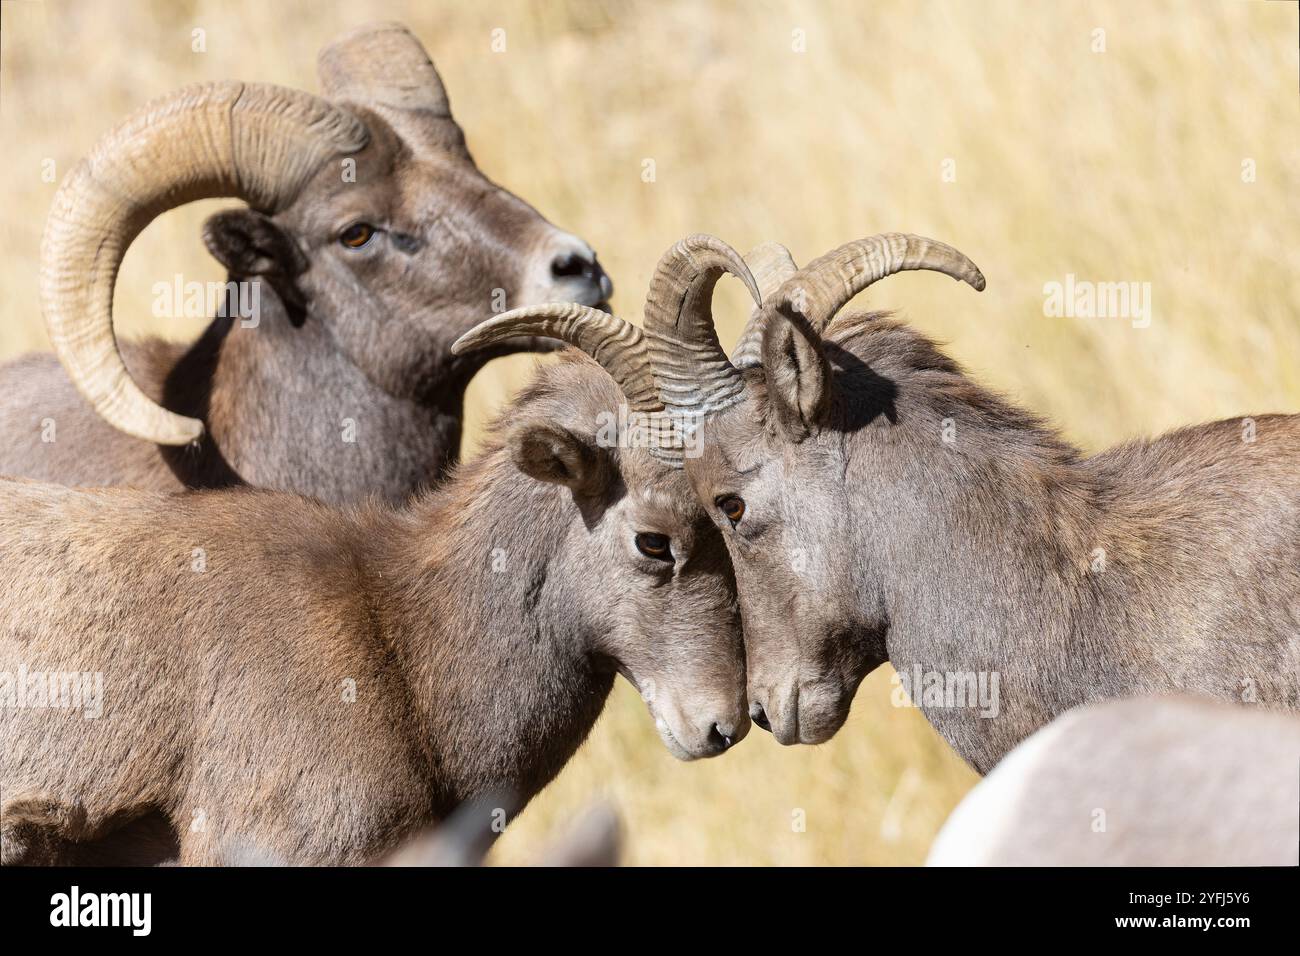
[{"x": 1155, "y": 143}]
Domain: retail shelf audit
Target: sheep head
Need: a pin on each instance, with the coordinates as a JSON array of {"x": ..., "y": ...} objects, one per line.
[
  {"x": 364, "y": 210},
  {"x": 595, "y": 430},
  {"x": 771, "y": 472}
]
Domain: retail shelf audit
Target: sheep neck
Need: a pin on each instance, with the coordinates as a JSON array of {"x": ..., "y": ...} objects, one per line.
[
  {"x": 287, "y": 409},
  {"x": 990, "y": 546},
  {"x": 976, "y": 526},
  {"x": 488, "y": 629}
]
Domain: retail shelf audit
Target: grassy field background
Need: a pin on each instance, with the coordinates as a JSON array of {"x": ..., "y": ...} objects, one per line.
[{"x": 999, "y": 127}]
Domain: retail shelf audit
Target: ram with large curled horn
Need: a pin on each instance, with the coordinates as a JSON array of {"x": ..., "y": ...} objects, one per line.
[{"x": 371, "y": 240}]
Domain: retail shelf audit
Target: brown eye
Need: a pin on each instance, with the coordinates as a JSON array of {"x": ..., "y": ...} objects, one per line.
[
  {"x": 357, "y": 235},
  {"x": 733, "y": 506},
  {"x": 654, "y": 546}
]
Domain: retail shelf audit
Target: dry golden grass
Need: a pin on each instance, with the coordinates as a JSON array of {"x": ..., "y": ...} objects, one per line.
[{"x": 1123, "y": 165}]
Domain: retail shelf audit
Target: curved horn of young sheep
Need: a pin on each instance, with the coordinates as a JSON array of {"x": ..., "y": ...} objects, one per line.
[
  {"x": 826, "y": 284},
  {"x": 692, "y": 370},
  {"x": 256, "y": 142},
  {"x": 381, "y": 63},
  {"x": 771, "y": 264},
  {"x": 617, "y": 345}
]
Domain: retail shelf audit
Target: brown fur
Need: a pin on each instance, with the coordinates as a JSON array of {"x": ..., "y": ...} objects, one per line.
[{"x": 481, "y": 628}]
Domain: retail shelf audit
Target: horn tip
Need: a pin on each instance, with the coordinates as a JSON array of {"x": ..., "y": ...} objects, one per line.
[
  {"x": 485, "y": 333},
  {"x": 466, "y": 343},
  {"x": 180, "y": 432}
]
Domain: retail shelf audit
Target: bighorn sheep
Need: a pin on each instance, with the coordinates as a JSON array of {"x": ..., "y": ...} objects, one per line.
[
  {"x": 372, "y": 240},
  {"x": 323, "y": 682},
  {"x": 879, "y": 506},
  {"x": 1142, "y": 782}
]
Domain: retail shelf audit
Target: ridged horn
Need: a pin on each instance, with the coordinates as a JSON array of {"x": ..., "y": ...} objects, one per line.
[
  {"x": 771, "y": 264},
  {"x": 826, "y": 284},
  {"x": 384, "y": 64},
  {"x": 256, "y": 142},
  {"x": 693, "y": 372},
  {"x": 617, "y": 345}
]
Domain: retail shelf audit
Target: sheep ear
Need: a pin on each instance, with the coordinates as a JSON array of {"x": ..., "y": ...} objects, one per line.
[
  {"x": 551, "y": 453},
  {"x": 248, "y": 243},
  {"x": 798, "y": 375}
]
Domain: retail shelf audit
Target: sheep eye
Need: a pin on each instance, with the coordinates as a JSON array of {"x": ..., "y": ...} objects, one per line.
[
  {"x": 654, "y": 546},
  {"x": 733, "y": 506},
  {"x": 357, "y": 235}
]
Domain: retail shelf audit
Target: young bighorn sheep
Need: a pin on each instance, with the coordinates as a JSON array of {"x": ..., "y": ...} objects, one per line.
[
  {"x": 373, "y": 241},
  {"x": 1143, "y": 782},
  {"x": 323, "y": 682},
  {"x": 879, "y": 506}
]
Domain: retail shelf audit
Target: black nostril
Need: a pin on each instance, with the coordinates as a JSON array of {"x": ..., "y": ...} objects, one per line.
[
  {"x": 717, "y": 739},
  {"x": 759, "y": 717},
  {"x": 571, "y": 265}
]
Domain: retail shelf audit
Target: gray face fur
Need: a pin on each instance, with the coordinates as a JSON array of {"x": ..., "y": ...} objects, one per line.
[
  {"x": 808, "y": 643},
  {"x": 668, "y": 621},
  {"x": 443, "y": 248}
]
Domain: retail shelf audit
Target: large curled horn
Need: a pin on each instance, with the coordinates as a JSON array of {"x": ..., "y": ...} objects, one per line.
[
  {"x": 382, "y": 64},
  {"x": 617, "y": 345},
  {"x": 771, "y": 264},
  {"x": 694, "y": 375},
  {"x": 256, "y": 142},
  {"x": 826, "y": 284}
]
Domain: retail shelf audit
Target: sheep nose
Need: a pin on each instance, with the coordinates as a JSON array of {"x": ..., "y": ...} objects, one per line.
[
  {"x": 582, "y": 264},
  {"x": 759, "y": 716},
  {"x": 573, "y": 264},
  {"x": 719, "y": 739}
]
